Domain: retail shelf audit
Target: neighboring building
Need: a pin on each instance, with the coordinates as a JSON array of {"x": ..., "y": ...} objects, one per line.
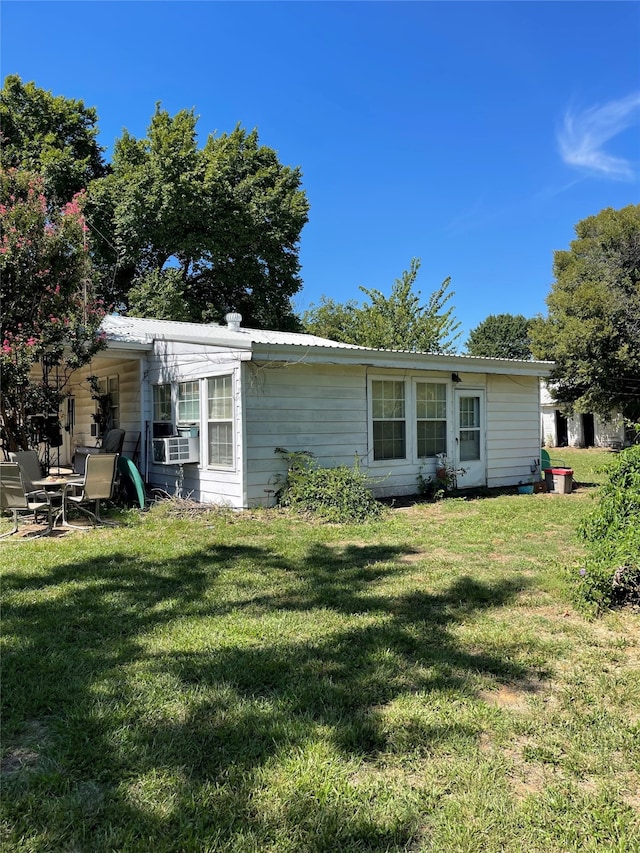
[
  {"x": 578, "y": 430},
  {"x": 230, "y": 396}
]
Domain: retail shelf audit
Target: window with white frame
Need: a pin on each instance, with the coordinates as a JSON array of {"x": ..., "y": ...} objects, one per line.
[
  {"x": 189, "y": 403},
  {"x": 220, "y": 420},
  {"x": 388, "y": 419},
  {"x": 431, "y": 418}
]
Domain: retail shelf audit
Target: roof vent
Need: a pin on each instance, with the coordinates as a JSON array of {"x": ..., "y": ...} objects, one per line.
[{"x": 233, "y": 320}]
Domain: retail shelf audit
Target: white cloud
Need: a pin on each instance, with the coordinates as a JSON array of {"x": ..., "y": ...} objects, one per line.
[{"x": 584, "y": 135}]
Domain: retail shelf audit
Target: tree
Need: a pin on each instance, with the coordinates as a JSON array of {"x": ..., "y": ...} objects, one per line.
[
  {"x": 337, "y": 321},
  {"x": 501, "y": 336},
  {"x": 592, "y": 330},
  {"x": 197, "y": 232},
  {"x": 49, "y": 313},
  {"x": 52, "y": 136},
  {"x": 398, "y": 321}
]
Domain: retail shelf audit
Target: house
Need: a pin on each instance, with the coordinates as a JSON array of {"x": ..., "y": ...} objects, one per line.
[
  {"x": 577, "y": 430},
  {"x": 205, "y": 407}
]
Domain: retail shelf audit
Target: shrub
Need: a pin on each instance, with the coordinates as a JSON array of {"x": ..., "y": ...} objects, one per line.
[
  {"x": 612, "y": 533},
  {"x": 340, "y": 494}
]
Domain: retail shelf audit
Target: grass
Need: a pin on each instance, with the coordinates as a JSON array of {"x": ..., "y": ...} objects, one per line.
[{"x": 259, "y": 683}]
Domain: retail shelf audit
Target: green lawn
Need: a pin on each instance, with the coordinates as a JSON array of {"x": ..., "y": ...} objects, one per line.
[{"x": 255, "y": 682}]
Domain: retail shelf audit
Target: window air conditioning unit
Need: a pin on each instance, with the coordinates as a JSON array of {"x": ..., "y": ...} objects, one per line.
[{"x": 176, "y": 450}]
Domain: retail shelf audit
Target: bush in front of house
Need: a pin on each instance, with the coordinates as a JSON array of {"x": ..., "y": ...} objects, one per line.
[
  {"x": 611, "y": 575},
  {"x": 339, "y": 494}
]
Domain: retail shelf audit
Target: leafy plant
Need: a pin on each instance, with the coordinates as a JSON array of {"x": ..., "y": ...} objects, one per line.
[
  {"x": 612, "y": 533},
  {"x": 339, "y": 494},
  {"x": 429, "y": 487},
  {"x": 445, "y": 481},
  {"x": 50, "y": 313}
]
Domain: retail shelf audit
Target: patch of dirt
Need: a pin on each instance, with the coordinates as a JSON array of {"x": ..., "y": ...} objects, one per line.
[
  {"x": 631, "y": 794},
  {"x": 26, "y": 751},
  {"x": 16, "y": 759},
  {"x": 514, "y": 696},
  {"x": 434, "y": 511},
  {"x": 529, "y": 779},
  {"x": 526, "y": 778}
]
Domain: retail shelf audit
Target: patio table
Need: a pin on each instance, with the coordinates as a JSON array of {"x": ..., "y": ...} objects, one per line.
[{"x": 54, "y": 486}]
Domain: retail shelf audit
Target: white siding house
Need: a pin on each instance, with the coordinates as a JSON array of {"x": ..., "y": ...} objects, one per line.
[
  {"x": 233, "y": 395},
  {"x": 577, "y": 430}
]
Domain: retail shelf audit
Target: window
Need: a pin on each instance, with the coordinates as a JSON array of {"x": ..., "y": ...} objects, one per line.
[
  {"x": 189, "y": 402},
  {"x": 431, "y": 418},
  {"x": 220, "y": 420},
  {"x": 161, "y": 403},
  {"x": 469, "y": 414},
  {"x": 162, "y": 420},
  {"x": 388, "y": 414},
  {"x": 108, "y": 414}
]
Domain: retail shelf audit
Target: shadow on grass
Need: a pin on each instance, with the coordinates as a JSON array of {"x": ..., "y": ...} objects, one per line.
[{"x": 212, "y": 712}]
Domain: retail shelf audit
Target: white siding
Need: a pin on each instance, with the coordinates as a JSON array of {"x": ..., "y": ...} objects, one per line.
[
  {"x": 321, "y": 409},
  {"x": 174, "y": 362},
  {"x": 609, "y": 433},
  {"x": 548, "y": 426},
  {"x": 130, "y": 404},
  {"x": 513, "y": 429},
  {"x": 324, "y": 409},
  {"x": 606, "y": 433}
]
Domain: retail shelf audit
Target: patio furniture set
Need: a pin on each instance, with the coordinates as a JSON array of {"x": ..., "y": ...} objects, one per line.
[{"x": 25, "y": 491}]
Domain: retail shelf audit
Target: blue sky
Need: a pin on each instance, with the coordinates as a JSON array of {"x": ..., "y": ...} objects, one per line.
[{"x": 470, "y": 135}]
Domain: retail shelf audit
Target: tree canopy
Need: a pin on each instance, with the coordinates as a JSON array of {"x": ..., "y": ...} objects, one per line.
[
  {"x": 501, "y": 336},
  {"x": 53, "y": 136},
  {"x": 398, "y": 321},
  {"x": 49, "y": 309},
  {"x": 197, "y": 232},
  {"x": 592, "y": 330}
]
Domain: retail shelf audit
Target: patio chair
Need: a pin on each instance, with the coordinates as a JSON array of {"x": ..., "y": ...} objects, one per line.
[
  {"x": 29, "y": 467},
  {"x": 15, "y": 497},
  {"x": 97, "y": 485},
  {"x": 31, "y": 471},
  {"x": 113, "y": 441}
]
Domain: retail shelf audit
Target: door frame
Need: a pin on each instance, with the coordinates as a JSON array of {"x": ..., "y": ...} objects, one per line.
[{"x": 475, "y": 475}]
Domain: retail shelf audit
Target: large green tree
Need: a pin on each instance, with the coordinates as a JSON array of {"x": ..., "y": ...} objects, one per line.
[
  {"x": 592, "y": 330},
  {"x": 398, "y": 321},
  {"x": 50, "y": 314},
  {"x": 196, "y": 232},
  {"x": 53, "y": 136},
  {"x": 501, "y": 336}
]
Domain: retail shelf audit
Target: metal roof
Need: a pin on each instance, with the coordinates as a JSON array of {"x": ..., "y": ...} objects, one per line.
[
  {"x": 140, "y": 333},
  {"x": 144, "y": 331}
]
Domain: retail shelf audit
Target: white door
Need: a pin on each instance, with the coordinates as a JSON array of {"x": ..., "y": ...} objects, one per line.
[{"x": 469, "y": 439}]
